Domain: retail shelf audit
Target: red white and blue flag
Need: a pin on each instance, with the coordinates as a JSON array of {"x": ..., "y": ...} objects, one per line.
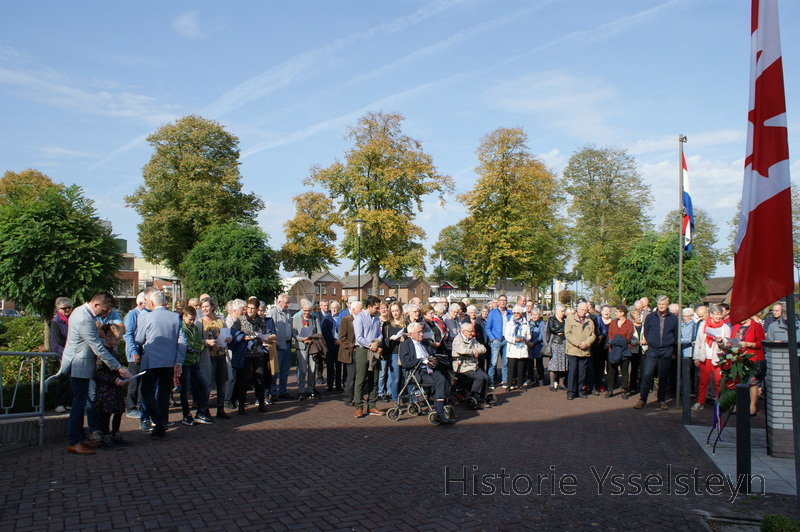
[
  {"x": 763, "y": 251},
  {"x": 687, "y": 226}
]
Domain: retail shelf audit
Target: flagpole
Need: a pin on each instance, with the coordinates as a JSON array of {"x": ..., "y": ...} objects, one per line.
[{"x": 679, "y": 399}]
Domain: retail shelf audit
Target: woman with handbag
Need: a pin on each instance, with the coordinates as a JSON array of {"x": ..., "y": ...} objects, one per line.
[{"x": 555, "y": 340}]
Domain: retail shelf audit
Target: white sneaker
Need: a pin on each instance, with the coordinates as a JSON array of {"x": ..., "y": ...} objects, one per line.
[
  {"x": 60, "y": 409},
  {"x": 697, "y": 406}
]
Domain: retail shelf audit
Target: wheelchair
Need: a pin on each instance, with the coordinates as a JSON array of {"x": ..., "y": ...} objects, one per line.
[{"x": 415, "y": 400}]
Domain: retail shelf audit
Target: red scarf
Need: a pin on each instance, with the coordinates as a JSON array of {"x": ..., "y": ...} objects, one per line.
[
  {"x": 63, "y": 317},
  {"x": 713, "y": 325}
]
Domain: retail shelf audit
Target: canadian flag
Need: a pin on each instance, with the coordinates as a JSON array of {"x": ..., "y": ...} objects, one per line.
[
  {"x": 687, "y": 227},
  {"x": 763, "y": 251}
]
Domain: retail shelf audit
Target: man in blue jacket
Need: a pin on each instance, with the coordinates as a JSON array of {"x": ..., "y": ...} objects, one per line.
[
  {"x": 162, "y": 344},
  {"x": 661, "y": 336},
  {"x": 495, "y": 327}
]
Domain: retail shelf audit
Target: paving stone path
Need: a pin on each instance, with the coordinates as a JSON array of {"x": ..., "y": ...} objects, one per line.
[{"x": 532, "y": 462}]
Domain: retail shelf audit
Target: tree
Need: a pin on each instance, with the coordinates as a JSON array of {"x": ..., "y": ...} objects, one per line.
[
  {"x": 513, "y": 214},
  {"x": 650, "y": 268},
  {"x": 608, "y": 209},
  {"x": 704, "y": 238},
  {"x": 454, "y": 245},
  {"x": 383, "y": 180},
  {"x": 52, "y": 247},
  {"x": 310, "y": 236},
  {"x": 191, "y": 183},
  {"x": 24, "y": 186},
  {"x": 232, "y": 261}
]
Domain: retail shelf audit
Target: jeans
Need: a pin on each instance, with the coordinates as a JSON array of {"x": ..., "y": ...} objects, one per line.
[
  {"x": 383, "y": 377},
  {"x": 278, "y": 385},
  {"x": 661, "y": 358},
  {"x": 498, "y": 350},
  {"x": 156, "y": 390},
  {"x": 80, "y": 395},
  {"x": 132, "y": 398},
  {"x": 576, "y": 376},
  {"x": 192, "y": 378},
  {"x": 393, "y": 376}
]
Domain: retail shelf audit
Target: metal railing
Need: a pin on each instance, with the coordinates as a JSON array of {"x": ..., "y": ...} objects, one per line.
[{"x": 29, "y": 363}]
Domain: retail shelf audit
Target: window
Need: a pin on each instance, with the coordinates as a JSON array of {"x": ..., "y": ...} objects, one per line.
[
  {"x": 333, "y": 290},
  {"x": 423, "y": 291},
  {"x": 369, "y": 291},
  {"x": 380, "y": 291},
  {"x": 415, "y": 291},
  {"x": 324, "y": 290}
]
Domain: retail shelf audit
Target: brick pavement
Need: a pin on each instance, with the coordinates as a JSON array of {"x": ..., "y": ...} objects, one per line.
[{"x": 312, "y": 466}]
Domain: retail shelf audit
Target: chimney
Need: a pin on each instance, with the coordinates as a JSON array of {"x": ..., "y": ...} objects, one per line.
[{"x": 347, "y": 274}]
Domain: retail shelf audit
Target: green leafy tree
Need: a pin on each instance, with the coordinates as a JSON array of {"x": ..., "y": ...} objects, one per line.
[
  {"x": 310, "y": 236},
  {"x": 650, "y": 268},
  {"x": 52, "y": 247},
  {"x": 513, "y": 214},
  {"x": 232, "y": 261},
  {"x": 191, "y": 183},
  {"x": 608, "y": 210},
  {"x": 454, "y": 247},
  {"x": 383, "y": 180},
  {"x": 25, "y": 186},
  {"x": 704, "y": 240}
]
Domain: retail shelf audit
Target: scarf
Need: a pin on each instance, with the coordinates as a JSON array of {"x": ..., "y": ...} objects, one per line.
[
  {"x": 63, "y": 317},
  {"x": 253, "y": 328},
  {"x": 710, "y": 324}
]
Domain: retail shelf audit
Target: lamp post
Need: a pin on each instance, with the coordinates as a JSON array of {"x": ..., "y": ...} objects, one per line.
[{"x": 359, "y": 225}]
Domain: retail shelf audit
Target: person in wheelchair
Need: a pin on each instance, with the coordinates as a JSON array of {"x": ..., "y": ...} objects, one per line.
[
  {"x": 466, "y": 353},
  {"x": 412, "y": 351}
]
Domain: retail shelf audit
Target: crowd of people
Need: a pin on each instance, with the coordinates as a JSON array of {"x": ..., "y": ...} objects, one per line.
[{"x": 365, "y": 350}]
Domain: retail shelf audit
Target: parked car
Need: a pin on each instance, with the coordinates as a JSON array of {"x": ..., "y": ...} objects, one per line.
[{"x": 9, "y": 313}]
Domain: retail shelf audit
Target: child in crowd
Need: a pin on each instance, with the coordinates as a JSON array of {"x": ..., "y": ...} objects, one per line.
[
  {"x": 192, "y": 377},
  {"x": 110, "y": 392}
]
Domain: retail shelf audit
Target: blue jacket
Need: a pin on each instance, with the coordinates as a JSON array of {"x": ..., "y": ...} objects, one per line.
[
  {"x": 652, "y": 330},
  {"x": 160, "y": 339},
  {"x": 495, "y": 324},
  {"x": 537, "y": 338}
]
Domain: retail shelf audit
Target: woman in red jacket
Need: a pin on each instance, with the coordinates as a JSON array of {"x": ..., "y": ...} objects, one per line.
[{"x": 750, "y": 334}]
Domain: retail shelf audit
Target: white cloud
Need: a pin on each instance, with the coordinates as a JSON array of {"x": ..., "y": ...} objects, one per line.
[
  {"x": 53, "y": 152},
  {"x": 55, "y": 90},
  {"x": 576, "y": 106},
  {"x": 188, "y": 25}
]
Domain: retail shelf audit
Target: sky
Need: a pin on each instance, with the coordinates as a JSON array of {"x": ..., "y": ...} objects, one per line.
[{"x": 83, "y": 83}]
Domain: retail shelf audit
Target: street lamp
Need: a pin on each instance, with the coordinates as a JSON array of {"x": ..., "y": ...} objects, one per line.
[{"x": 359, "y": 225}]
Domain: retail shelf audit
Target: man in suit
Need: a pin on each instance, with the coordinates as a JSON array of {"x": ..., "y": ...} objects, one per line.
[
  {"x": 412, "y": 350},
  {"x": 329, "y": 330},
  {"x": 162, "y": 344},
  {"x": 81, "y": 352},
  {"x": 347, "y": 344}
]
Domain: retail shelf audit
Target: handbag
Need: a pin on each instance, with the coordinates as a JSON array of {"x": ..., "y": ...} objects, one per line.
[{"x": 547, "y": 350}]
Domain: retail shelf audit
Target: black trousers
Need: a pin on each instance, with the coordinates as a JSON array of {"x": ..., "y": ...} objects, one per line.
[
  {"x": 349, "y": 376},
  {"x": 576, "y": 376},
  {"x": 656, "y": 358},
  {"x": 157, "y": 402},
  {"x": 623, "y": 368},
  {"x": 251, "y": 373},
  {"x": 479, "y": 380}
]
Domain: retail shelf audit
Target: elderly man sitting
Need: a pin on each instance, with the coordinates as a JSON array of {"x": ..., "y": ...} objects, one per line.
[
  {"x": 410, "y": 353},
  {"x": 466, "y": 351}
]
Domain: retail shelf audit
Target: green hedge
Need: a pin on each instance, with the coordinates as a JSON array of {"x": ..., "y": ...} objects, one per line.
[{"x": 25, "y": 334}]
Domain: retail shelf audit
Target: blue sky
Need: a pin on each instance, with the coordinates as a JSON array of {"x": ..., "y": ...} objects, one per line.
[{"x": 83, "y": 83}]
